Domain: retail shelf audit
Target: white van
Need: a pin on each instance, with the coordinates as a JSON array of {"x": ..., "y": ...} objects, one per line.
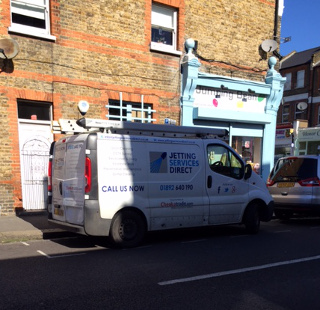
[{"x": 130, "y": 178}]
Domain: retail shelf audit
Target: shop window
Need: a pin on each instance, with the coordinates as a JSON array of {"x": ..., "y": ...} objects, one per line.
[
  {"x": 285, "y": 113},
  {"x": 300, "y": 79},
  {"x": 130, "y": 111},
  {"x": 313, "y": 148},
  {"x": 249, "y": 148},
  {"x": 34, "y": 110},
  {"x": 302, "y": 148},
  {"x": 221, "y": 160},
  {"x": 163, "y": 28},
  {"x": 30, "y": 17},
  {"x": 287, "y": 85}
]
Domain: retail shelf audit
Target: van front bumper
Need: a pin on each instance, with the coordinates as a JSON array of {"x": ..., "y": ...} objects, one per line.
[{"x": 267, "y": 212}]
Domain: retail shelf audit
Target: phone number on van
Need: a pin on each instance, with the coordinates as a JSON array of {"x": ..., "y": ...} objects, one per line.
[{"x": 172, "y": 187}]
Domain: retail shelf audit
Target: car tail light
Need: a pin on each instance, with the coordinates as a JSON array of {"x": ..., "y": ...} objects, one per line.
[
  {"x": 270, "y": 182},
  {"x": 50, "y": 175},
  {"x": 87, "y": 175},
  {"x": 310, "y": 182}
]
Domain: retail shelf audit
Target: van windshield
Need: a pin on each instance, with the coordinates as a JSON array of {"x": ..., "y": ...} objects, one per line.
[{"x": 294, "y": 169}]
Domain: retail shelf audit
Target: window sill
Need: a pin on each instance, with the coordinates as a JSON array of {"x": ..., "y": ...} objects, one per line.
[
  {"x": 156, "y": 47},
  {"x": 32, "y": 33}
]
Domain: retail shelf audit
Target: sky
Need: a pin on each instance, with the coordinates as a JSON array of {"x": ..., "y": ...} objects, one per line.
[{"x": 301, "y": 22}]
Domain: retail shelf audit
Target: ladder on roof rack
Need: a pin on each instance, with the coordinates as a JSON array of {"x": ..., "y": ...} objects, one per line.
[
  {"x": 87, "y": 125},
  {"x": 151, "y": 129}
]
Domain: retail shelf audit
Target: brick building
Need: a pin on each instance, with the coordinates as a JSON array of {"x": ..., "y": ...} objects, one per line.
[
  {"x": 299, "y": 113},
  {"x": 301, "y": 98},
  {"x": 118, "y": 55}
]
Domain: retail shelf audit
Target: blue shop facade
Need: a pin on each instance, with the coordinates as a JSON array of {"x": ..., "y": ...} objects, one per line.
[{"x": 247, "y": 109}]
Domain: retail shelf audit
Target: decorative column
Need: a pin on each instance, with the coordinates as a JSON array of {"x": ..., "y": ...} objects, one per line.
[
  {"x": 189, "y": 67},
  {"x": 276, "y": 81}
]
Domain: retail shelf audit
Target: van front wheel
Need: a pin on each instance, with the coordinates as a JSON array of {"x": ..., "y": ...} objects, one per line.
[
  {"x": 252, "y": 219},
  {"x": 127, "y": 229}
]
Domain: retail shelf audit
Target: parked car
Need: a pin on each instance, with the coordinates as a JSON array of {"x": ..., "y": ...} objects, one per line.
[{"x": 295, "y": 186}]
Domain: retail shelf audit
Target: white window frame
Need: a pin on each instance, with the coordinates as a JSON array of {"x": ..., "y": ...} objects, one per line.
[
  {"x": 165, "y": 17},
  {"x": 130, "y": 111},
  {"x": 32, "y": 8},
  {"x": 300, "y": 79},
  {"x": 287, "y": 85}
]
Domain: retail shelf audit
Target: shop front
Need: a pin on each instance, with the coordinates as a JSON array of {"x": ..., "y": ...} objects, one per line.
[
  {"x": 247, "y": 109},
  {"x": 308, "y": 142},
  {"x": 284, "y": 143}
]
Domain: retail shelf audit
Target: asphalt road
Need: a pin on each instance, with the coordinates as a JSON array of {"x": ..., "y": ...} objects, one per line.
[{"x": 217, "y": 268}]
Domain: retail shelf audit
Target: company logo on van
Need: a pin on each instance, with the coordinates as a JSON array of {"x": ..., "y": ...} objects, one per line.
[
  {"x": 158, "y": 162},
  {"x": 175, "y": 162}
]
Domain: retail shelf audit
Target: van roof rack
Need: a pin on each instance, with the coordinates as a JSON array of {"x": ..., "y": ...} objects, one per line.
[
  {"x": 87, "y": 125},
  {"x": 149, "y": 129}
]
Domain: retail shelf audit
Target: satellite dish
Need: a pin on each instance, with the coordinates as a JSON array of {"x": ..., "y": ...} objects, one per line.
[
  {"x": 302, "y": 106},
  {"x": 9, "y": 48},
  {"x": 269, "y": 45}
]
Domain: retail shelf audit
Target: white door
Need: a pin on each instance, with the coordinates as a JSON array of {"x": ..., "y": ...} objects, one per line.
[{"x": 34, "y": 139}]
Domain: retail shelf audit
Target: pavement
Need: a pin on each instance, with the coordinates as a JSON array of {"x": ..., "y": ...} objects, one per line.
[{"x": 27, "y": 226}]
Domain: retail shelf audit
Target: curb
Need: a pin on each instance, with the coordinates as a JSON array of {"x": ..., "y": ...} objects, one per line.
[
  {"x": 28, "y": 235},
  {"x": 16, "y": 236}
]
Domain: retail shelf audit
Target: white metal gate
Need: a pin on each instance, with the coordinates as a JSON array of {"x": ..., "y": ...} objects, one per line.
[{"x": 34, "y": 155}]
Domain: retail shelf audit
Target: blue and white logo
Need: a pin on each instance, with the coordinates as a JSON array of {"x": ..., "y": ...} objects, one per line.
[{"x": 158, "y": 162}]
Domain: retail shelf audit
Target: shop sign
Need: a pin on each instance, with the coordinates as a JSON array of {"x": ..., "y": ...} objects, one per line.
[
  {"x": 206, "y": 97},
  {"x": 310, "y": 134},
  {"x": 283, "y": 137}
]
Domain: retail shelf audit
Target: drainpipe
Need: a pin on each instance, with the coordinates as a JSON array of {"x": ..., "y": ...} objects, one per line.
[
  {"x": 276, "y": 21},
  {"x": 310, "y": 104}
]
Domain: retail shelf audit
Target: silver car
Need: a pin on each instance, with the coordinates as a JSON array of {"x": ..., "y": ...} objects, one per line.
[{"x": 295, "y": 186}]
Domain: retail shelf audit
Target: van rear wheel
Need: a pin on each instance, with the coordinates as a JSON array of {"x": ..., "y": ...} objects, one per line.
[
  {"x": 127, "y": 229},
  {"x": 252, "y": 219}
]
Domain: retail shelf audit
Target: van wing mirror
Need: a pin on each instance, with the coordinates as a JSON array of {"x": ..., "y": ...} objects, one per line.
[{"x": 247, "y": 171}]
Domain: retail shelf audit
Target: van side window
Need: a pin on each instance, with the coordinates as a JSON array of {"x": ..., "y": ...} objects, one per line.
[{"x": 223, "y": 161}]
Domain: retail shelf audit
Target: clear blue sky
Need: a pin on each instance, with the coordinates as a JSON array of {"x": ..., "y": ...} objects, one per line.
[{"x": 301, "y": 22}]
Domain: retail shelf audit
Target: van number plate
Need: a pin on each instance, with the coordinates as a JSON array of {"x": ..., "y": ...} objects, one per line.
[
  {"x": 58, "y": 212},
  {"x": 286, "y": 184}
]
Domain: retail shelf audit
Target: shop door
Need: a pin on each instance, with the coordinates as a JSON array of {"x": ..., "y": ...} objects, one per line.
[{"x": 34, "y": 139}]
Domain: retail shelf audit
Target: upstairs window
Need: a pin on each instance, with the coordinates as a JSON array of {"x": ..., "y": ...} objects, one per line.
[
  {"x": 285, "y": 113},
  {"x": 287, "y": 85},
  {"x": 31, "y": 17},
  {"x": 163, "y": 28},
  {"x": 300, "y": 79}
]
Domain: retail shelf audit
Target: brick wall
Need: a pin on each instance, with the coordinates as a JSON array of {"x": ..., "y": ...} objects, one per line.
[
  {"x": 103, "y": 48},
  {"x": 230, "y": 33}
]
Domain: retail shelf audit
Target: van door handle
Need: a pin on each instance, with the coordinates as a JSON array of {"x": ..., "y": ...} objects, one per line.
[
  {"x": 209, "y": 182},
  {"x": 60, "y": 188}
]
